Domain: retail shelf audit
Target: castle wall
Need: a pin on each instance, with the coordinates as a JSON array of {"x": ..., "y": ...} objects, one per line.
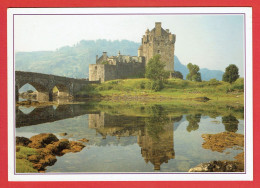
[
  {"x": 96, "y": 72},
  {"x": 167, "y": 54},
  {"x": 107, "y": 72}
]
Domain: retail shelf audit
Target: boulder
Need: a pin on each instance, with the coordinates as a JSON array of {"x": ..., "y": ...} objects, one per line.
[
  {"x": 83, "y": 140},
  {"x": 217, "y": 166},
  {"x": 42, "y": 140},
  {"x": 22, "y": 141}
]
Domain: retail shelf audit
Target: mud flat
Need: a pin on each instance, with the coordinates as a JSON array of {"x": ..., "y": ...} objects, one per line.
[{"x": 45, "y": 103}]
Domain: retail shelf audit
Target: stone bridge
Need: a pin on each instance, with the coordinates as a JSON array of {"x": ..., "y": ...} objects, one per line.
[{"x": 44, "y": 84}]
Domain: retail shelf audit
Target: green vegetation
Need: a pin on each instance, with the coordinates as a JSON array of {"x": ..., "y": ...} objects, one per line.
[
  {"x": 174, "y": 89},
  {"x": 177, "y": 74},
  {"x": 194, "y": 74},
  {"x": 155, "y": 123},
  {"x": 193, "y": 122},
  {"x": 230, "y": 122},
  {"x": 231, "y": 74},
  {"x": 23, "y": 165},
  {"x": 156, "y": 73},
  {"x": 105, "y": 63},
  {"x": 173, "y": 109}
]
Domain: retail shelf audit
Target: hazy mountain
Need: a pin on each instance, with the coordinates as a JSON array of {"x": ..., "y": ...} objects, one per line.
[
  {"x": 73, "y": 61},
  {"x": 206, "y": 74}
]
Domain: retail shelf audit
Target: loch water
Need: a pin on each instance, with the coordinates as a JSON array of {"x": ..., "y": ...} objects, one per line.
[{"x": 132, "y": 138}]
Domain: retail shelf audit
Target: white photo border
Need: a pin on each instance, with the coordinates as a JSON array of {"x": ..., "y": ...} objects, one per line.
[{"x": 248, "y": 112}]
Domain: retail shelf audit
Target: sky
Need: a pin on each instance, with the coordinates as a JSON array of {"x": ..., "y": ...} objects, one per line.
[{"x": 210, "y": 41}]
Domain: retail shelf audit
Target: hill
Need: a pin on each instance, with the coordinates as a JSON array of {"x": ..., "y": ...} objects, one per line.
[{"x": 73, "y": 61}]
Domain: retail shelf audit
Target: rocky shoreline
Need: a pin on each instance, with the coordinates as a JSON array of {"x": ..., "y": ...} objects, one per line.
[
  {"x": 220, "y": 166},
  {"x": 46, "y": 147},
  {"x": 220, "y": 142}
]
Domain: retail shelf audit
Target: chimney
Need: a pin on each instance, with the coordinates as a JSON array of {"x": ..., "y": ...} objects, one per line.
[{"x": 158, "y": 28}]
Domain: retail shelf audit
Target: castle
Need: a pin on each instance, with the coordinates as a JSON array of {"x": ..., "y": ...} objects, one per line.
[{"x": 156, "y": 41}]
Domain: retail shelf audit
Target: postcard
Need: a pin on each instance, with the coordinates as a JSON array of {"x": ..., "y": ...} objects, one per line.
[{"x": 130, "y": 94}]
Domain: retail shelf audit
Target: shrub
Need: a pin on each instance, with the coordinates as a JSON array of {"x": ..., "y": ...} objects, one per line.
[
  {"x": 238, "y": 84},
  {"x": 177, "y": 74},
  {"x": 194, "y": 74},
  {"x": 231, "y": 74},
  {"x": 213, "y": 82}
]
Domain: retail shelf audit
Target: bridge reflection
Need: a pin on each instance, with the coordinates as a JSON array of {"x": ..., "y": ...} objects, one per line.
[
  {"x": 47, "y": 114},
  {"x": 154, "y": 133}
]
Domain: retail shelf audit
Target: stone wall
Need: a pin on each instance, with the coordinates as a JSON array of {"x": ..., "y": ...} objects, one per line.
[{"x": 107, "y": 72}]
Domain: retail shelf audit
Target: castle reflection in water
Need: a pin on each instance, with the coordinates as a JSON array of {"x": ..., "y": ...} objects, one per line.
[
  {"x": 157, "y": 146},
  {"x": 150, "y": 127}
]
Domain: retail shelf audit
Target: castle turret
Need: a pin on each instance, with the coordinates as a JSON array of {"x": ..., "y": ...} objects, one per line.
[
  {"x": 158, "y": 29},
  {"x": 140, "y": 51},
  {"x": 158, "y": 41}
]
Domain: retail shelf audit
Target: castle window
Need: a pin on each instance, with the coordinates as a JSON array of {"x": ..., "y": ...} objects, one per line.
[{"x": 158, "y": 51}]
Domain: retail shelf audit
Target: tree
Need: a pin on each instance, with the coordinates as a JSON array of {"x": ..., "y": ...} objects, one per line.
[
  {"x": 177, "y": 74},
  {"x": 194, "y": 74},
  {"x": 155, "y": 72},
  {"x": 231, "y": 74},
  {"x": 155, "y": 69},
  {"x": 231, "y": 123},
  {"x": 193, "y": 122}
]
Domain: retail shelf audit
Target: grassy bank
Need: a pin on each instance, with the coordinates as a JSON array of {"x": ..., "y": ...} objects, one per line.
[
  {"x": 23, "y": 165},
  {"x": 139, "y": 89}
]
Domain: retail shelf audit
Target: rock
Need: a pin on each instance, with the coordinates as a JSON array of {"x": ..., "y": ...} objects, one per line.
[
  {"x": 34, "y": 158},
  {"x": 22, "y": 141},
  {"x": 221, "y": 141},
  {"x": 76, "y": 146},
  {"x": 49, "y": 160},
  {"x": 240, "y": 157},
  {"x": 83, "y": 140},
  {"x": 217, "y": 166},
  {"x": 63, "y": 134},
  {"x": 202, "y": 99},
  {"x": 48, "y": 146},
  {"x": 57, "y": 147},
  {"x": 17, "y": 149},
  {"x": 41, "y": 140}
]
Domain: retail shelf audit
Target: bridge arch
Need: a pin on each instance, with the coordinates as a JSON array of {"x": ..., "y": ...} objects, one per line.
[
  {"x": 44, "y": 84},
  {"x": 60, "y": 91},
  {"x": 42, "y": 91}
]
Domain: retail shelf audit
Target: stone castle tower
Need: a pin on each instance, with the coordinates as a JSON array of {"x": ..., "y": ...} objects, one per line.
[{"x": 158, "y": 41}]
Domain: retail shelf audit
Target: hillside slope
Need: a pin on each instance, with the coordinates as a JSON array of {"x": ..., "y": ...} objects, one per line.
[{"x": 73, "y": 61}]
